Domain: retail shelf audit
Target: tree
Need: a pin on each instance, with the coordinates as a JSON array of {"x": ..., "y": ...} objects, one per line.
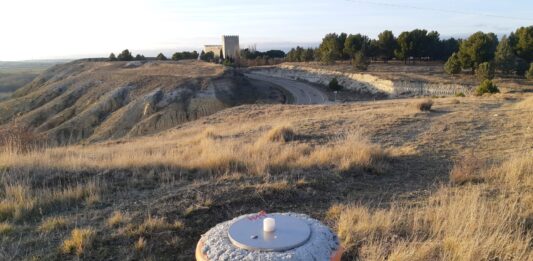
[
  {"x": 404, "y": 50},
  {"x": 309, "y": 55},
  {"x": 209, "y": 56},
  {"x": 453, "y": 65},
  {"x": 275, "y": 54},
  {"x": 356, "y": 44},
  {"x": 386, "y": 45},
  {"x": 485, "y": 71},
  {"x": 161, "y": 57},
  {"x": 504, "y": 57},
  {"x": 477, "y": 49},
  {"x": 521, "y": 66},
  {"x": 341, "y": 39},
  {"x": 112, "y": 57},
  {"x": 447, "y": 48},
  {"x": 530, "y": 72},
  {"x": 125, "y": 56},
  {"x": 334, "y": 85},
  {"x": 522, "y": 42},
  {"x": 487, "y": 87},
  {"x": 330, "y": 49},
  {"x": 360, "y": 61},
  {"x": 140, "y": 57}
]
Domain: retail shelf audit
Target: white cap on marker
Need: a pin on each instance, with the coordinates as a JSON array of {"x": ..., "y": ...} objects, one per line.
[{"x": 269, "y": 225}]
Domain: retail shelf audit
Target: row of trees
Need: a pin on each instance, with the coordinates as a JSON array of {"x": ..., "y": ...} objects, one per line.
[
  {"x": 126, "y": 55},
  {"x": 414, "y": 45},
  {"x": 484, "y": 53}
]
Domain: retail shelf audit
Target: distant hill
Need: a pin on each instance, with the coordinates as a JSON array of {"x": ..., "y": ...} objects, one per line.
[{"x": 86, "y": 101}]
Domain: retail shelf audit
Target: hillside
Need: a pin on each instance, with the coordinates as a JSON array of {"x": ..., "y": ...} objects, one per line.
[
  {"x": 86, "y": 101},
  {"x": 377, "y": 172}
]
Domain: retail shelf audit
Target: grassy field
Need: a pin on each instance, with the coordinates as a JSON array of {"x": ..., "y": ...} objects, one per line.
[{"x": 396, "y": 183}]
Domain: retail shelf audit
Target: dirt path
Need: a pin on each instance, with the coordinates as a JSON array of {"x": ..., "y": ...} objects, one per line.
[{"x": 303, "y": 93}]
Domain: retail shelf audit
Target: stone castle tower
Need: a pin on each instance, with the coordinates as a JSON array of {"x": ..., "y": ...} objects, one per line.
[{"x": 230, "y": 46}]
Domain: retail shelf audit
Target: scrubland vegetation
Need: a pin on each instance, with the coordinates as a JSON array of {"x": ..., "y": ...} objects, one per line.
[{"x": 394, "y": 182}]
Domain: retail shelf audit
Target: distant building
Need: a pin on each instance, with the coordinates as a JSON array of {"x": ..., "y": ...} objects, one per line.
[
  {"x": 216, "y": 49},
  {"x": 230, "y": 47}
]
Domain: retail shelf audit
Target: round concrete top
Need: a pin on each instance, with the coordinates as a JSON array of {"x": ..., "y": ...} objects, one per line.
[
  {"x": 290, "y": 232},
  {"x": 321, "y": 244}
]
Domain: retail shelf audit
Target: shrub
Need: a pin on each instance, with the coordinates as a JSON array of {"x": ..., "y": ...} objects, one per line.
[
  {"x": 19, "y": 139},
  {"x": 465, "y": 170},
  {"x": 485, "y": 71},
  {"x": 460, "y": 94},
  {"x": 486, "y": 87},
  {"x": 125, "y": 56},
  {"x": 360, "y": 62},
  {"x": 530, "y": 72},
  {"x": 425, "y": 105},
  {"x": 80, "y": 239},
  {"x": 453, "y": 65},
  {"x": 161, "y": 57},
  {"x": 112, "y": 57},
  {"x": 281, "y": 134},
  {"x": 334, "y": 85}
]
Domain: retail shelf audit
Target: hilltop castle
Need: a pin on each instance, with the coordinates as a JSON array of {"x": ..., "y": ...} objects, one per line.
[{"x": 229, "y": 49}]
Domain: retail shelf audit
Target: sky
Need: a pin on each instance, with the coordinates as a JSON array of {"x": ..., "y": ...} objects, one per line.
[{"x": 67, "y": 29}]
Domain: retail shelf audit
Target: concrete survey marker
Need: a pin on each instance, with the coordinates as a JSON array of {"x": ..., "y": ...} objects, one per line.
[
  {"x": 253, "y": 234},
  {"x": 269, "y": 237}
]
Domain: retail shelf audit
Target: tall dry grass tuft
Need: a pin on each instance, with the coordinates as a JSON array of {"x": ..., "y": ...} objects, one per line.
[
  {"x": 52, "y": 223},
  {"x": 466, "y": 169},
  {"x": 79, "y": 241},
  {"x": 487, "y": 221},
  {"x": 21, "y": 201},
  {"x": 281, "y": 133}
]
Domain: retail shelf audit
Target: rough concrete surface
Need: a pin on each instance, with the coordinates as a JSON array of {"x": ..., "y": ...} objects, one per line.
[{"x": 322, "y": 243}]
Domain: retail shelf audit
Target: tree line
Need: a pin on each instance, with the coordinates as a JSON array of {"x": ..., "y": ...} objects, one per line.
[
  {"x": 413, "y": 45},
  {"x": 510, "y": 54},
  {"x": 484, "y": 53},
  {"x": 126, "y": 55}
]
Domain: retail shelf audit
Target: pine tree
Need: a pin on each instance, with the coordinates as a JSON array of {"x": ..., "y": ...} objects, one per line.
[
  {"x": 161, "y": 57},
  {"x": 453, "y": 65},
  {"x": 504, "y": 56},
  {"x": 112, "y": 57}
]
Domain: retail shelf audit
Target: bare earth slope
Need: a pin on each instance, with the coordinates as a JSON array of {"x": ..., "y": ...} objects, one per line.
[{"x": 94, "y": 101}]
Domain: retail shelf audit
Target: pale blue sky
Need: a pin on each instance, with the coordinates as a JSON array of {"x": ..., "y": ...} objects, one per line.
[{"x": 36, "y": 29}]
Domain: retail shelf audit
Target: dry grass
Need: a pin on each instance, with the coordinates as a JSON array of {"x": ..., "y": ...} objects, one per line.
[
  {"x": 117, "y": 218},
  {"x": 280, "y": 133},
  {"x": 52, "y": 223},
  {"x": 79, "y": 241},
  {"x": 6, "y": 228},
  {"x": 466, "y": 169},
  {"x": 153, "y": 225},
  {"x": 424, "y": 105},
  {"x": 202, "y": 152},
  {"x": 140, "y": 244},
  {"x": 477, "y": 222},
  {"x": 21, "y": 201}
]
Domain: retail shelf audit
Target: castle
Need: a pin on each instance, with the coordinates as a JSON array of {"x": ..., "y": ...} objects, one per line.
[{"x": 229, "y": 49}]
